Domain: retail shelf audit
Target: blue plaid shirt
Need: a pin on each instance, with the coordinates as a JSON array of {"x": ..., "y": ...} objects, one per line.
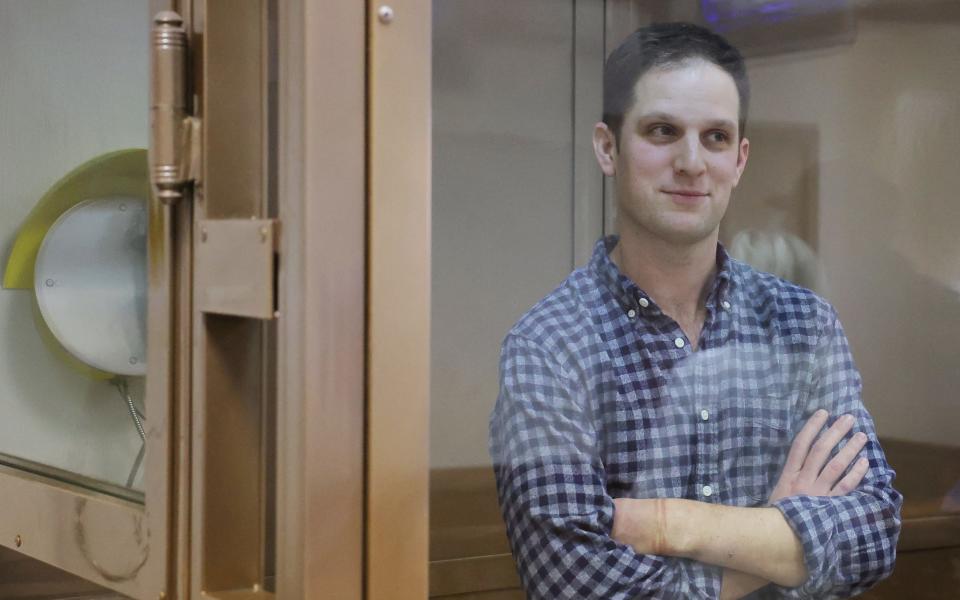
[{"x": 601, "y": 397}]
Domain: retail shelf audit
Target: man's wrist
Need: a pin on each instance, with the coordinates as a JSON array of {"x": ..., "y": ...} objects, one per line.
[{"x": 682, "y": 524}]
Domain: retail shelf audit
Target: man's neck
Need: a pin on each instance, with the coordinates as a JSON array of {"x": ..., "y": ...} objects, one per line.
[{"x": 677, "y": 278}]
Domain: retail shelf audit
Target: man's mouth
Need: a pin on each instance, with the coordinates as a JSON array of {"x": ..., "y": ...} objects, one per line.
[
  {"x": 689, "y": 193},
  {"x": 686, "y": 197}
]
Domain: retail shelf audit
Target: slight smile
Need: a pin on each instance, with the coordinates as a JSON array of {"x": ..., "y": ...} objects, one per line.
[{"x": 685, "y": 196}]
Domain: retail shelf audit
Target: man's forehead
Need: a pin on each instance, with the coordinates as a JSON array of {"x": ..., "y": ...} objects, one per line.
[{"x": 693, "y": 89}]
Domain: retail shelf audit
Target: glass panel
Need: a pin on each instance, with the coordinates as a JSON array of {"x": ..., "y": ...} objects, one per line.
[
  {"x": 848, "y": 192},
  {"x": 504, "y": 234},
  {"x": 73, "y": 228}
]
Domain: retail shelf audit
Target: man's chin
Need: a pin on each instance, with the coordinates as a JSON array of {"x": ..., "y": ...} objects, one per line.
[
  {"x": 675, "y": 229},
  {"x": 687, "y": 234}
]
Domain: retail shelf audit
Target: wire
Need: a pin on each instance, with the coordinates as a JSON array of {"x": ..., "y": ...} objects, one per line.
[{"x": 121, "y": 384}]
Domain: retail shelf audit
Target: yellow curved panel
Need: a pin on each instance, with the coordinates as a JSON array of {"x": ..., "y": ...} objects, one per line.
[{"x": 120, "y": 173}]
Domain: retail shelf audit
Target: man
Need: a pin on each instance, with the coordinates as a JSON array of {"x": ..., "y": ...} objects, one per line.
[{"x": 656, "y": 433}]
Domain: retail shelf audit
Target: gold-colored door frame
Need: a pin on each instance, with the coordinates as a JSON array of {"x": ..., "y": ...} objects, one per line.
[
  {"x": 232, "y": 390},
  {"x": 320, "y": 324},
  {"x": 398, "y": 353},
  {"x": 330, "y": 157},
  {"x": 322, "y": 188}
]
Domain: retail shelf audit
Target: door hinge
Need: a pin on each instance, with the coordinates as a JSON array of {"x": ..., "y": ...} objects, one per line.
[{"x": 175, "y": 136}]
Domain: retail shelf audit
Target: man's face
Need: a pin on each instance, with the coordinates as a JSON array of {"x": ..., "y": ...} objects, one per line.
[{"x": 679, "y": 155}]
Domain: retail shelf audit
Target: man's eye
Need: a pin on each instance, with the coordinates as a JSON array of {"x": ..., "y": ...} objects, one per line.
[
  {"x": 661, "y": 131},
  {"x": 718, "y": 137}
]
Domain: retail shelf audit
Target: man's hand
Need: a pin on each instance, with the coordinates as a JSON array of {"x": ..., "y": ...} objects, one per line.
[{"x": 804, "y": 472}]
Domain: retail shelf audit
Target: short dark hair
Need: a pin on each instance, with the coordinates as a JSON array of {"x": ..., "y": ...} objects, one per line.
[{"x": 666, "y": 45}]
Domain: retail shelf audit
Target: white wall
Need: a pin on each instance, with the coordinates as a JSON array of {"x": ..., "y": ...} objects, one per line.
[{"x": 74, "y": 81}]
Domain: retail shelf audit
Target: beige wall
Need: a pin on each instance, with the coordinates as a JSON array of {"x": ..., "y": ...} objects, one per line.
[
  {"x": 886, "y": 112},
  {"x": 502, "y": 197},
  {"x": 74, "y": 80}
]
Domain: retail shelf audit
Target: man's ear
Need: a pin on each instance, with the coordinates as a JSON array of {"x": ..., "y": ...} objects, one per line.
[
  {"x": 742, "y": 154},
  {"x": 605, "y": 147}
]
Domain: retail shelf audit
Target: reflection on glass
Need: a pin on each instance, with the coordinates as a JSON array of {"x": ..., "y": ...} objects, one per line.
[
  {"x": 73, "y": 225},
  {"x": 849, "y": 191}
]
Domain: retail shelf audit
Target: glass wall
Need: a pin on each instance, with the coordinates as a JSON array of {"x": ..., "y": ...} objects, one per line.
[
  {"x": 73, "y": 177},
  {"x": 848, "y": 191},
  {"x": 504, "y": 234}
]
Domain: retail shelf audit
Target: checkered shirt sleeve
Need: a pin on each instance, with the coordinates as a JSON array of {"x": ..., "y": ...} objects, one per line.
[
  {"x": 552, "y": 490},
  {"x": 849, "y": 542}
]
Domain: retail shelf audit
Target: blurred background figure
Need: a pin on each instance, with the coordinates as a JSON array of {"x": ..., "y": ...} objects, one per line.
[{"x": 782, "y": 254}]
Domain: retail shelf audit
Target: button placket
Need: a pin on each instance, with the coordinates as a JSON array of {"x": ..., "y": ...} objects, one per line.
[{"x": 706, "y": 472}]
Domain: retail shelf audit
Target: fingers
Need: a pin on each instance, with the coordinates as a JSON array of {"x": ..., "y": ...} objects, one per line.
[
  {"x": 824, "y": 446},
  {"x": 801, "y": 444},
  {"x": 835, "y": 468},
  {"x": 852, "y": 479}
]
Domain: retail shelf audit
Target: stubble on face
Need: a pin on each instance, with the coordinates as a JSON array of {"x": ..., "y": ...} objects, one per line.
[{"x": 679, "y": 154}]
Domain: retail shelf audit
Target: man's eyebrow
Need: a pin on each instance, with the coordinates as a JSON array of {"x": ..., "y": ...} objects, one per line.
[
  {"x": 657, "y": 116},
  {"x": 722, "y": 124}
]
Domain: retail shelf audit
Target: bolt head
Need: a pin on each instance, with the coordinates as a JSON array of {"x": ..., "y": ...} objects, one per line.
[{"x": 385, "y": 14}]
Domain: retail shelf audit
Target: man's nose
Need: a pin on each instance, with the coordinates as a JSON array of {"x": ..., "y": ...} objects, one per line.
[{"x": 689, "y": 159}]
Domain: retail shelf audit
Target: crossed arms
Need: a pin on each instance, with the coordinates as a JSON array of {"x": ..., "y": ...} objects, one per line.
[
  {"x": 572, "y": 539},
  {"x": 755, "y": 545}
]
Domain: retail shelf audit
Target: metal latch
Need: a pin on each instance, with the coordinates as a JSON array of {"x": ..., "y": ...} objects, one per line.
[{"x": 235, "y": 267}]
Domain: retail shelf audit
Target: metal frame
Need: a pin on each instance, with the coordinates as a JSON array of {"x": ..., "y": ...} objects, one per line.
[
  {"x": 229, "y": 362},
  {"x": 322, "y": 189},
  {"x": 320, "y": 333},
  {"x": 336, "y": 336},
  {"x": 588, "y": 180},
  {"x": 398, "y": 352}
]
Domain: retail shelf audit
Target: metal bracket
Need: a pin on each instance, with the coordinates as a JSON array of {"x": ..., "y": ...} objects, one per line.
[{"x": 235, "y": 268}]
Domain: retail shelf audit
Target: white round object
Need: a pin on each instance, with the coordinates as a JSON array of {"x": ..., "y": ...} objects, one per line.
[{"x": 91, "y": 283}]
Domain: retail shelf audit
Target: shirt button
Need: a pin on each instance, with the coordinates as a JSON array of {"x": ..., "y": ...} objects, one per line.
[
  {"x": 725, "y": 305},
  {"x": 704, "y": 414},
  {"x": 644, "y": 302},
  {"x": 631, "y": 313},
  {"x": 679, "y": 343},
  {"x": 707, "y": 490}
]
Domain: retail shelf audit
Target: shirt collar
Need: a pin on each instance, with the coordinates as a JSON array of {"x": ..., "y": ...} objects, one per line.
[{"x": 628, "y": 294}]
